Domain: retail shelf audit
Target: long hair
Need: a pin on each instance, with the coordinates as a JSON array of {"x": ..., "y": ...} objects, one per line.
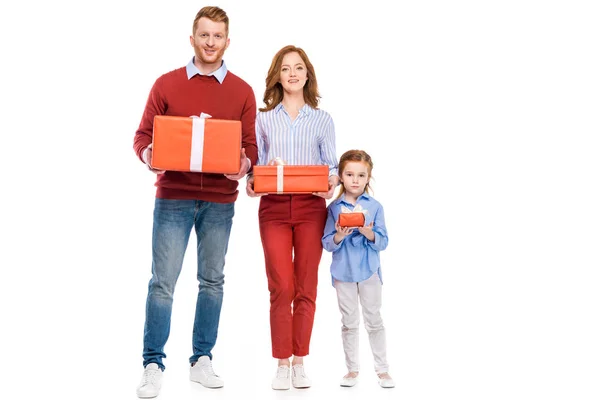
[
  {"x": 215, "y": 14},
  {"x": 354, "y": 156},
  {"x": 274, "y": 90}
]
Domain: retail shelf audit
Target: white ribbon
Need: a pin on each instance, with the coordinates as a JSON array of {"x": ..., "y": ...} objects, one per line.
[
  {"x": 357, "y": 208},
  {"x": 197, "y": 150},
  {"x": 279, "y": 178},
  {"x": 276, "y": 161}
]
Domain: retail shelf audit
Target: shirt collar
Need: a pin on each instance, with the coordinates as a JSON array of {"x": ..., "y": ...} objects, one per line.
[
  {"x": 192, "y": 70},
  {"x": 305, "y": 110},
  {"x": 364, "y": 196}
]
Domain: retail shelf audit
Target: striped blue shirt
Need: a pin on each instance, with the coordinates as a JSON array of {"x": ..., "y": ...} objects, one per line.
[
  {"x": 308, "y": 140},
  {"x": 355, "y": 258}
]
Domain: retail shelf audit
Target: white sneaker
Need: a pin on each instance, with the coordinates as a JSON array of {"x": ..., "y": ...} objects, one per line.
[
  {"x": 348, "y": 380},
  {"x": 385, "y": 380},
  {"x": 202, "y": 372},
  {"x": 282, "y": 379},
  {"x": 299, "y": 378},
  {"x": 151, "y": 382}
]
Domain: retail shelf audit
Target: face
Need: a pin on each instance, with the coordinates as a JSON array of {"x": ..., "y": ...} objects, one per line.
[
  {"x": 355, "y": 177},
  {"x": 210, "y": 42},
  {"x": 293, "y": 74}
]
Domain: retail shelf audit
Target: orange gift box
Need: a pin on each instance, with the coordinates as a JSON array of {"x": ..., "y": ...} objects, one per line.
[
  {"x": 196, "y": 144},
  {"x": 352, "y": 219},
  {"x": 291, "y": 178}
]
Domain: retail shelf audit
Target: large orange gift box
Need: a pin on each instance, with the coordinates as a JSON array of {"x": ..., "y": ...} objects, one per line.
[
  {"x": 352, "y": 219},
  {"x": 291, "y": 178},
  {"x": 196, "y": 144}
]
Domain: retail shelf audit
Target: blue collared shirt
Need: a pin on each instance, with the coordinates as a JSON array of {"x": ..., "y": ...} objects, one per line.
[
  {"x": 308, "y": 140},
  {"x": 355, "y": 258},
  {"x": 220, "y": 73}
]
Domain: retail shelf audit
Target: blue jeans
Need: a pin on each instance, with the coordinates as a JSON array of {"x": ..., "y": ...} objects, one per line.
[{"x": 173, "y": 222}]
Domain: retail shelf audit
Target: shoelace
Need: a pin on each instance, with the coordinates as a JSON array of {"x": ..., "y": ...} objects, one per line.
[
  {"x": 299, "y": 371},
  {"x": 149, "y": 377},
  {"x": 208, "y": 369},
  {"x": 282, "y": 372}
]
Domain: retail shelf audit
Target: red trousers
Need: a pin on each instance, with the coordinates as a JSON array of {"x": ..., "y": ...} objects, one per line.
[{"x": 291, "y": 228}]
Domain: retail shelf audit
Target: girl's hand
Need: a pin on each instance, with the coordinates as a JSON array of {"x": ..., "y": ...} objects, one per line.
[
  {"x": 367, "y": 231},
  {"x": 341, "y": 233},
  {"x": 343, "y": 230}
]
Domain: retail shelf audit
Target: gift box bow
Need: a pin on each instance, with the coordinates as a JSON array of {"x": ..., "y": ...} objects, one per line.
[{"x": 357, "y": 209}]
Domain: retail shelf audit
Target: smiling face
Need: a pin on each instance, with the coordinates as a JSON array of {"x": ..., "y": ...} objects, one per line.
[
  {"x": 293, "y": 73},
  {"x": 355, "y": 178},
  {"x": 210, "y": 42}
]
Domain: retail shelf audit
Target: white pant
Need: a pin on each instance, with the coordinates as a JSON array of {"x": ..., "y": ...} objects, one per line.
[{"x": 369, "y": 293}]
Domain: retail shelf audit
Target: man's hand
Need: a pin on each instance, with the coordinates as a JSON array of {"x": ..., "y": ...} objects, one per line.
[
  {"x": 147, "y": 157},
  {"x": 333, "y": 182},
  {"x": 250, "y": 188},
  {"x": 244, "y": 167}
]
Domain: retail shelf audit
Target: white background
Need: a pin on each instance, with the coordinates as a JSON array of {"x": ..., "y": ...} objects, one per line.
[{"x": 482, "y": 120}]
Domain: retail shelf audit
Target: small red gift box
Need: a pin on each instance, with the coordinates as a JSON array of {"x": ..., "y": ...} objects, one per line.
[
  {"x": 196, "y": 144},
  {"x": 291, "y": 178},
  {"x": 351, "y": 219}
]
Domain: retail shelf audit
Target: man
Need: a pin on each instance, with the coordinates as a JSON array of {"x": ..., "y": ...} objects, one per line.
[{"x": 186, "y": 200}]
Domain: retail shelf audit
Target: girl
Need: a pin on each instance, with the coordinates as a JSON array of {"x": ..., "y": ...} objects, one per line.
[
  {"x": 355, "y": 268},
  {"x": 292, "y": 127}
]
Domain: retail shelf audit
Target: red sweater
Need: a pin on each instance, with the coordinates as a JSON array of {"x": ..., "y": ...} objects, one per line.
[{"x": 174, "y": 94}]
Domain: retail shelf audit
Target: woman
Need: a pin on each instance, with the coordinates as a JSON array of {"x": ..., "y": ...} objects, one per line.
[{"x": 292, "y": 128}]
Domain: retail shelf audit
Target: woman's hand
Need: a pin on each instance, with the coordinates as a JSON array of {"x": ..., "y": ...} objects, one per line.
[{"x": 333, "y": 182}]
